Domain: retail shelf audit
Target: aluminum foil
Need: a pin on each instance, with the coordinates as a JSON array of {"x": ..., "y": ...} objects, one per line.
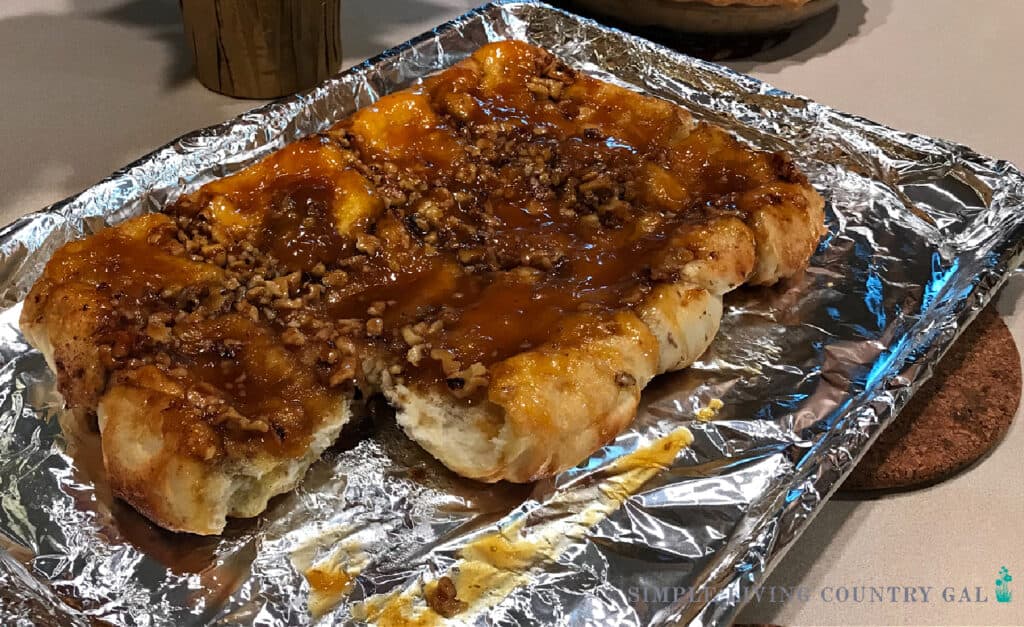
[{"x": 921, "y": 233}]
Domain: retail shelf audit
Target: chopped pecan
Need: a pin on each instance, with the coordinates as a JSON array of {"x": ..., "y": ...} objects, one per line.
[
  {"x": 375, "y": 327},
  {"x": 293, "y": 337},
  {"x": 442, "y": 597},
  {"x": 367, "y": 244},
  {"x": 232, "y": 417},
  {"x": 335, "y": 278},
  {"x": 466, "y": 382},
  {"x": 343, "y": 372},
  {"x": 449, "y": 365},
  {"x": 411, "y": 335}
]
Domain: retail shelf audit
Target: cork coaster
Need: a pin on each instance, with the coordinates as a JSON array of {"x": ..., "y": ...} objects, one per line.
[{"x": 956, "y": 417}]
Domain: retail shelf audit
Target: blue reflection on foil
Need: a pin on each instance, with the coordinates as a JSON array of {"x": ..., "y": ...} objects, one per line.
[
  {"x": 873, "y": 297},
  {"x": 940, "y": 277}
]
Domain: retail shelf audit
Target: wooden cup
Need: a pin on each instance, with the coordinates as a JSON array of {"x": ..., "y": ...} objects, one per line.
[{"x": 263, "y": 48}]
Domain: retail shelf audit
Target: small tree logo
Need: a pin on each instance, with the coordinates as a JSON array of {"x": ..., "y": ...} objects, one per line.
[{"x": 1003, "y": 594}]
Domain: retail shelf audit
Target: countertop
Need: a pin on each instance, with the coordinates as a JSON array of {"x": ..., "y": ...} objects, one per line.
[{"x": 90, "y": 85}]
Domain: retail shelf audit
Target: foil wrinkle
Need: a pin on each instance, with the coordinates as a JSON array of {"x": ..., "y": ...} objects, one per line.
[{"x": 921, "y": 234}]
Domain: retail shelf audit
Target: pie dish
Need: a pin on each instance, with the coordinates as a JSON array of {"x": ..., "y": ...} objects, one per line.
[
  {"x": 509, "y": 252},
  {"x": 789, "y": 4},
  {"x": 713, "y": 17}
]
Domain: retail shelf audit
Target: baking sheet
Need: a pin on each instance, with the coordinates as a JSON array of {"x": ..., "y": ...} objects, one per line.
[{"x": 921, "y": 232}]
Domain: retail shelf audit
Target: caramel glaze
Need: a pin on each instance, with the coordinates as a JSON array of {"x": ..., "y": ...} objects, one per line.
[{"x": 503, "y": 204}]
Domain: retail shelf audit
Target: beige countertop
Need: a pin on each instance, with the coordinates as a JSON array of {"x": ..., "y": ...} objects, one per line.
[{"x": 90, "y": 85}]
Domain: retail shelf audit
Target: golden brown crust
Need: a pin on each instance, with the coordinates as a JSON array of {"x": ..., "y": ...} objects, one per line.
[
  {"x": 74, "y": 306},
  {"x": 202, "y": 415},
  {"x": 146, "y": 454},
  {"x": 510, "y": 251},
  {"x": 546, "y": 409},
  {"x": 142, "y": 463},
  {"x": 566, "y": 400},
  {"x": 761, "y": 224}
]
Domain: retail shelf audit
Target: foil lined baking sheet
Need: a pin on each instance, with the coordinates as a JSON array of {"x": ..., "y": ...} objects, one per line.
[{"x": 648, "y": 531}]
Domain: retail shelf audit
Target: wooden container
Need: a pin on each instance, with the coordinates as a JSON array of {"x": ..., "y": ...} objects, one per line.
[{"x": 263, "y": 48}]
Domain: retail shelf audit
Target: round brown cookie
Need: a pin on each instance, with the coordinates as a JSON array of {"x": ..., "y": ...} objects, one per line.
[{"x": 956, "y": 417}]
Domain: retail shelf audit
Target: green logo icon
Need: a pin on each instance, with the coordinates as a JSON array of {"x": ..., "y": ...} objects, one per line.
[{"x": 1003, "y": 594}]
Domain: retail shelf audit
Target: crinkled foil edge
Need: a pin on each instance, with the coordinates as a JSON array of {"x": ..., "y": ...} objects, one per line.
[{"x": 986, "y": 240}]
